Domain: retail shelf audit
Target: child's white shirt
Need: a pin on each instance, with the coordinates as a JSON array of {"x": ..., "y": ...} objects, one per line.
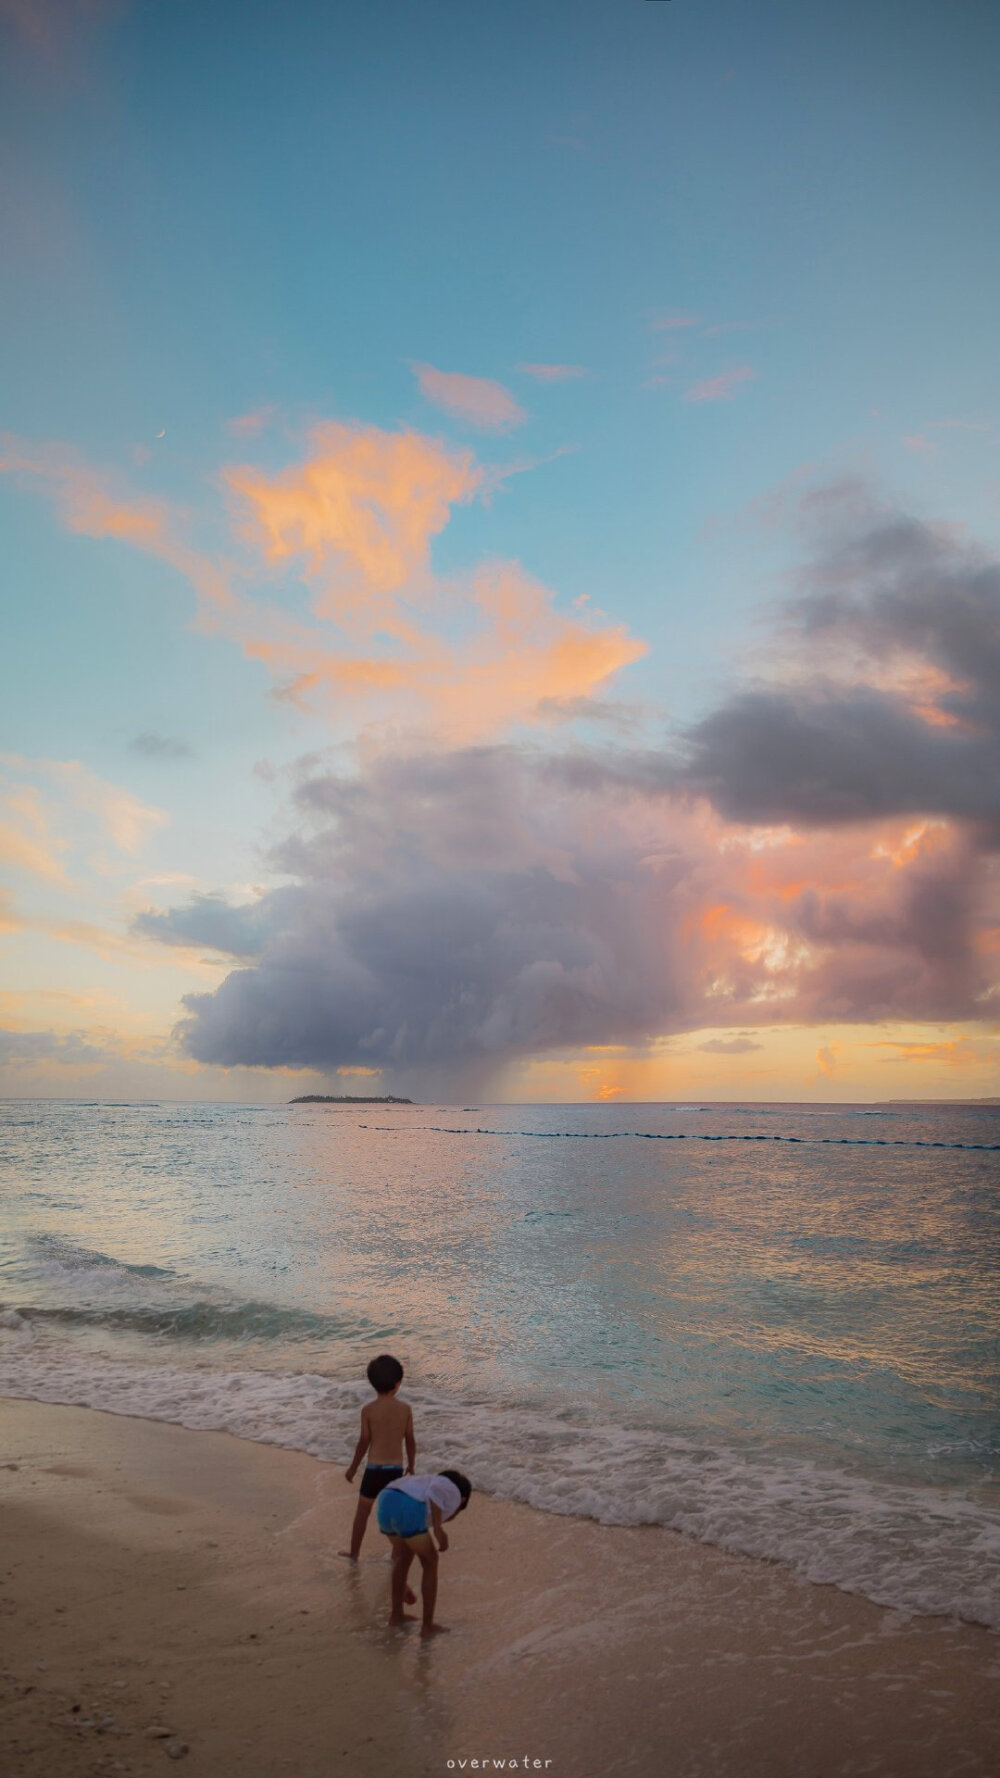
[{"x": 436, "y": 1488}]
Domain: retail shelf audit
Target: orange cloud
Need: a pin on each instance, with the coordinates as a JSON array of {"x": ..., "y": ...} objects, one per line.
[
  {"x": 483, "y": 403},
  {"x": 959, "y": 1052},
  {"x": 522, "y": 655},
  {"x": 359, "y": 512},
  {"x": 385, "y": 638},
  {"x": 9, "y": 921},
  {"x": 86, "y": 503}
]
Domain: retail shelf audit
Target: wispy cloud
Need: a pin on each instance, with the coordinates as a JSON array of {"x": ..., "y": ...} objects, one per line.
[
  {"x": 553, "y": 373},
  {"x": 667, "y": 323},
  {"x": 484, "y": 404},
  {"x": 722, "y": 387},
  {"x": 152, "y": 746},
  {"x": 919, "y": 444},
  {"x": 54, "y": 805},
  {"x": 88, "y": 501},
  {"x": 958, "y": 1052},
  {"x": 249, "y": 425}
]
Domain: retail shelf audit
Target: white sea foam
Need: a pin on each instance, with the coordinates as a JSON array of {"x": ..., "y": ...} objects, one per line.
[{"x": 915, "y": 1549}]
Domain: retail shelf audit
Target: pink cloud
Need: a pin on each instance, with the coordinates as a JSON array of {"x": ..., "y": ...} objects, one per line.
[
  {"x": 553, "y": 373},
  {"x": 666, "y": 323},
  {"x": 249, "y": 425},
  {"x": 723, "y": 387},
  {"x": 919, "y": 445},
  {"x": 482, "y": 402}
]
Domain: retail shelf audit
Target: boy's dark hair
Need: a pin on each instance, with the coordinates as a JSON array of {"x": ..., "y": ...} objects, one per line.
[
  {"x": 462, "y": 1483},
  {"x": 384, "y": 1373}
]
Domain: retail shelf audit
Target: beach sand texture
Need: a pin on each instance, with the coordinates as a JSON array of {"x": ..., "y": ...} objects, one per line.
[{"x": 161, "y": 1579}]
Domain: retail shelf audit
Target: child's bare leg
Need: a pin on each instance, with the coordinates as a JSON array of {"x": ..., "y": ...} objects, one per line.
[
  {"x": 427, "y": 1552},
  {"x": 402, "y": 1556},
  {"x": 358, "y": 1529}
]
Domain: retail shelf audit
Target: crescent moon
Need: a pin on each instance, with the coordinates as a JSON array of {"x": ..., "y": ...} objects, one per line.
[{"x": 162, "y": 434}]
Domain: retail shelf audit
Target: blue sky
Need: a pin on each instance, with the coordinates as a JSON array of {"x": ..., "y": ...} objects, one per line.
[{"x": 765, "y": 236}]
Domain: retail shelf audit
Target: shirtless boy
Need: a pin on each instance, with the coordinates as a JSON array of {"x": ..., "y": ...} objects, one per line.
[{"x": 386, "y": 1427}]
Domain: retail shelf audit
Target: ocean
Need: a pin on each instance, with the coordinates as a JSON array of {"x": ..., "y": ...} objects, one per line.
[{"x": 771, "y": 1327}]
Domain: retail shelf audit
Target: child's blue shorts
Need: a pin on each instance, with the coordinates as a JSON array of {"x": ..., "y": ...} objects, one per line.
[{"x": 399, "y": 1515}]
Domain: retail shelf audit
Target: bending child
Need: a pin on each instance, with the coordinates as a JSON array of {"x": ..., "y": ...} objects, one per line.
[
  {"x": 408, "y": 1511},
  {"x": 386, "y": 1428}
]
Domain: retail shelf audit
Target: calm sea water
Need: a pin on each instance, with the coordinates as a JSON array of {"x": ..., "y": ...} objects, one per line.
[{"x": 772, "y": 1327}]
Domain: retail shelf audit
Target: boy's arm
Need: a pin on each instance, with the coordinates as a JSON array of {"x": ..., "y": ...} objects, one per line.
[
  {"x": 410, "y": 1442},
  {"x": 361, "y": 1447},
  {"x": 437, "y": 1527}
]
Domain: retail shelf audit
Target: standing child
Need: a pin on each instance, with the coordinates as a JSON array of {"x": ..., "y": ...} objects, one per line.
[{"x": 386, "y": 1427}]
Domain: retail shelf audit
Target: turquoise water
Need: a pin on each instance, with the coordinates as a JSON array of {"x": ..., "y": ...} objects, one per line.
[{"x": 772, "y": 1327}]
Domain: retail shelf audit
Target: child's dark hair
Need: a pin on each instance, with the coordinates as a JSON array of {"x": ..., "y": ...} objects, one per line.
[
  {"x": 462, "y": 1483},
  {"x": 384, "y": 1373}
]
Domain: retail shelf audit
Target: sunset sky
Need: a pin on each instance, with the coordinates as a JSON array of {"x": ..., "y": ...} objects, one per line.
[{"x": 501, "y": 515}]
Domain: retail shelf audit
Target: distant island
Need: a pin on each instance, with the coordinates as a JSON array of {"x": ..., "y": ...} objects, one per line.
[{"x": 347, "y": 1099}]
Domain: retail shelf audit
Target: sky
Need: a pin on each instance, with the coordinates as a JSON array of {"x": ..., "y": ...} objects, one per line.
[{"x": 501, "y": 564}]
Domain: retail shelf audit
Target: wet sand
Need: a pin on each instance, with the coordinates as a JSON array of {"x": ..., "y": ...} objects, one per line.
[{"x": 156, "y": 1579}]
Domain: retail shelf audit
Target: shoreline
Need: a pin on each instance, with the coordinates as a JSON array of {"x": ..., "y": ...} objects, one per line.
[{"x": 187, "y": 1580}]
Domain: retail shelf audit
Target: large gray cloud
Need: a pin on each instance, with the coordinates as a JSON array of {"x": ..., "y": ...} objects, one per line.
[
  {"x": 445, "y": 914},
  {"x": 453, "y": 910},
  {"x": 889, "y": 596}
]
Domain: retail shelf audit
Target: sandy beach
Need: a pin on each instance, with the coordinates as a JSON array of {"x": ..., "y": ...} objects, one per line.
[{"x": 174, "y": 1597}]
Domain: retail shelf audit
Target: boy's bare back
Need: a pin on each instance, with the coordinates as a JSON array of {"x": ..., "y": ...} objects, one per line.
[{"x": 386, "y": 1420}]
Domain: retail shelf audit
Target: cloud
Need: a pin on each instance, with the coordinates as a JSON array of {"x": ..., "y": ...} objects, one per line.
[
  {"x": 958, "y": 1052},
  {"x": 383, "y": 638},
  {"x": 27, "y": 842},
  {"x": 249, "y": 425},
  {"x": 817, "y": 849},
  {"x": 152, "y": 746},
  {"x": 89, "y": 502},
  {"x": 722, "y": 387},
  {"x": 482, "y": 403},
  {"x": 553, "y": 373},
  {"x": 730, "y": 1046},
  {"x": 357, "y": 514},
  {"x": 919, "y": 445},
  {"x": 903, "y": 715},
  {"x": 670, "y": 322},
  {"x": 212, "y": 923},
  {"x": 54, "y": 813},
  {"x": 452, "y": 911},
  {"x": 25, "y": 1048}
]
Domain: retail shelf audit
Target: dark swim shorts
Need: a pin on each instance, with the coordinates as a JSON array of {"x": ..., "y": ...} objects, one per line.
[{"x": 378, "y": 1476}]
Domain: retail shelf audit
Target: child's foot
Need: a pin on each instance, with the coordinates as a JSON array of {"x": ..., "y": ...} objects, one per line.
[
  {"x": 348, "y": 1555},
  {"x": 434, "y": 1629},
  {"x": 399, "y": 1618},
  {"x": 409, "y": 1597}
]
